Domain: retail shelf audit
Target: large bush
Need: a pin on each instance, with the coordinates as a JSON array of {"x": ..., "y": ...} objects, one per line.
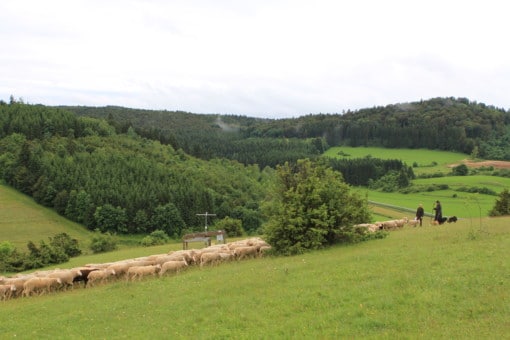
[{"x": 311, "y": 207}]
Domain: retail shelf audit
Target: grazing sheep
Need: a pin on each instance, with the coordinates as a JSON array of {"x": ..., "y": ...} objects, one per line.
[
  {"x": 100, "y": 275},
  {"x": 172, "y": 266},
  {"x": 209, "y": 258},
  {"x": 67, "y": 276},
  {"x": 245, "y": 252},
  {"x": 40, "y": 284},
  {"x": 6, "y": 291},
  {"x": 141, "y": 271}
]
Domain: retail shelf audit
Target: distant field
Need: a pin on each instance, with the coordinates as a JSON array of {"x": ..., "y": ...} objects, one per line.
[
  {"x": 465, "y": 205},
  {"x": 461, "y": 204},
  {"x": 423, "y": 157},
  {"x": 443, "y": 282}
]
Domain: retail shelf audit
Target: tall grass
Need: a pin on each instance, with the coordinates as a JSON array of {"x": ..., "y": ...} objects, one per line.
[{"x": 431, "y": 282}]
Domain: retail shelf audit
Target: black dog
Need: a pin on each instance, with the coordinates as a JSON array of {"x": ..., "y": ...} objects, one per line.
[{"x": 452, "y": 219}]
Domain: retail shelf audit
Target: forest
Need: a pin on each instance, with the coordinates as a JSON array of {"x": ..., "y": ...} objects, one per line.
[
  {"x": 449, "y": 124},
  {"x": 136, "y": 171}
]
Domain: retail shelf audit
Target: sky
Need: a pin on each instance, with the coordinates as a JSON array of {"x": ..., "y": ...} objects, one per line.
[{"x": 256, "y": 58}]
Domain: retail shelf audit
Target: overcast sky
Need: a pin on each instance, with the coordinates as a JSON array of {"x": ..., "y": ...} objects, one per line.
[{"x": 259, "y": 58}]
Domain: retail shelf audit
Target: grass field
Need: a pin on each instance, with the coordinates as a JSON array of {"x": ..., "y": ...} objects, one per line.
[
  {"x": 428, "y": 161},
  {"x": 445, "y": 282},
  {"x": 23, "y": 220}
]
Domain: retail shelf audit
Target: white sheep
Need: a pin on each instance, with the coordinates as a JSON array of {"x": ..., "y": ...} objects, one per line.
[
  {"x": 141, "y": 271},
  {"x": 100, "y": 275},
  {"x": 245, "y": 252},
  {"x": 210, "y": 258},
  {"x": 40, "y": 284},
  {"x": 173, "y": 266},
  {"x": 67, "y": 276}
]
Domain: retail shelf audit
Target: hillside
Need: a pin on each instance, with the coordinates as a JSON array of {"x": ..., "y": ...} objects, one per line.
[
  {"x": 23, "y": 220},
  {"x": 449, "y": 124},
  {"x": 433, "y": 282}
]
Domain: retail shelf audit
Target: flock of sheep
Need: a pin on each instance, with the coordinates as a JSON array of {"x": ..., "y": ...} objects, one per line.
[
  {"x": 387, "y": 225},
  {"x": 41, "y": 282}
]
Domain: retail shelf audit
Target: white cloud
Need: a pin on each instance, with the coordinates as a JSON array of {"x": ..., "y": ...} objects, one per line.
[{"x": 264, "y": 58}]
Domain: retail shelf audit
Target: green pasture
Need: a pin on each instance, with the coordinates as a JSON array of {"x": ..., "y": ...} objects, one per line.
[
  {"x": 497, "y": 184},
  {"x": 464, "y": 205},
  {"x": 442, "y": 282},
  {"x": 454, "y": 203},
  {"x": 424, "y": 158},
  {"x": 23, "y": 220}
]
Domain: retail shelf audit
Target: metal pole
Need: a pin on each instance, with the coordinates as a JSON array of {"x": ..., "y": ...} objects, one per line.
[{"x": 206, "y": 214}]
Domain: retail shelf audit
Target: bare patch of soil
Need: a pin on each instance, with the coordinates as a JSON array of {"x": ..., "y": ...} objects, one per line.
[{"x": 474, "y": 164}]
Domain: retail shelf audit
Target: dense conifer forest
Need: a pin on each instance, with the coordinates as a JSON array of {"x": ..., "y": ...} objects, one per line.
[
  {"x": 450, "y": 124},
  {"x": 136, "y": 171}
]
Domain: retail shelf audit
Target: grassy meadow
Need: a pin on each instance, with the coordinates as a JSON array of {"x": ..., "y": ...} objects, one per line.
[
  {"x": 440, "y": 282},
  {"x": 428, "y": 161},
  {"x": 23, "y": 220}
]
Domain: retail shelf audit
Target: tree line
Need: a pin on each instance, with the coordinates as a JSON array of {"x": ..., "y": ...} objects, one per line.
[
  {"x": 120, "y": 183},
  {"x": 450, "y": 124}
]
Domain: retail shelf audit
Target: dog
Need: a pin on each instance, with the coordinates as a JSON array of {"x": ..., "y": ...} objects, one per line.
[
  {"x": 452, "y": 219},
  {"x": 441, "y": 221}
]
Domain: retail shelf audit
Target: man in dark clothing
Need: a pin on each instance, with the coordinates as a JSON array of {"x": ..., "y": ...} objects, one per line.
[
  {"x": 420, "y": 213},
  {"x": 439, "y": 213}
]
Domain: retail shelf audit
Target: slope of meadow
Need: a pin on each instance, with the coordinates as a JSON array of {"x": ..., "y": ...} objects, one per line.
[
  {"x": 440, "y": 282},
  {"x": 23, "y": 220}
]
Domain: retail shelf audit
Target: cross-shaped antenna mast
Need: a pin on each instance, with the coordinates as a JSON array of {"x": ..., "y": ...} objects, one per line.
[{"x": 206, "y": 215}]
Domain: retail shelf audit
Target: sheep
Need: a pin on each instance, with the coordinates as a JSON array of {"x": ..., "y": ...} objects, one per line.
[
  {"x": 141, "y": 271},
  {"x": 100, "y": 275},
  {"x": 120, "y": 268},
  {"x": 85, "y": 271},
  {"x": 226, "y": 255},
  {"x": 41, "y": 284},
  {"x": 172, "y": 266},
  {"x": 370, "y": 227},
  {"x": 389, "y": 225},
  {"x": 173, "y": 257},
  {"x": 6, "y": 291},
  {"x": 210, "y": 257},
  {"x": 17, "y": 282},
  {"x": 66, "y": 276},
  {"x": 244, "y": 252}
]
